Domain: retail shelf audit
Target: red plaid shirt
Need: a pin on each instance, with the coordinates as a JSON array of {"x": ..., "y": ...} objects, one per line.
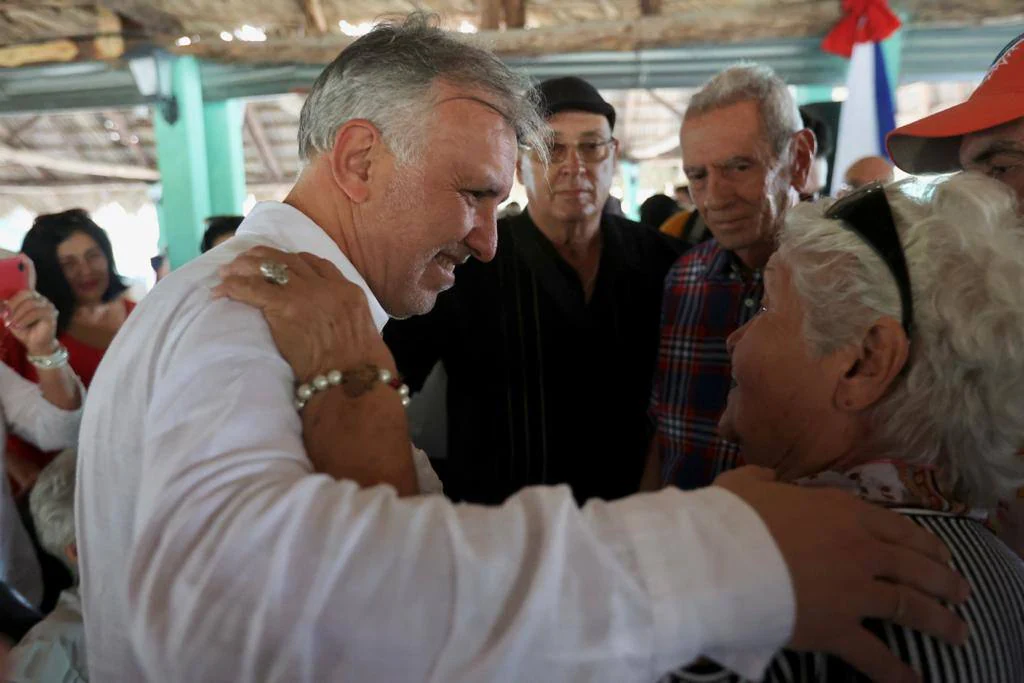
[{"x": 708, "y": 296}]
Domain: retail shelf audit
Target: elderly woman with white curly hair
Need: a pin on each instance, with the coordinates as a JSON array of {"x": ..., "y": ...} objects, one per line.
[{"x": 888, "y": 360}]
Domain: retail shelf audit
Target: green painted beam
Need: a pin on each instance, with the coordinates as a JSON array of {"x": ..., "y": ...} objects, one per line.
[
  {"x": 225, "y": 156},
  {"x": 181, "y": 158},
  {"x": 809, "y": 94}
]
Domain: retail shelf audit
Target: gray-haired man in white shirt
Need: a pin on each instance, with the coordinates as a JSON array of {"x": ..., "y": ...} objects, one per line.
[{"x": 224, "y": 535}]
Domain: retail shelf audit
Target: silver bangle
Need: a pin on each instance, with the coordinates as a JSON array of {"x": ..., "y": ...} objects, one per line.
[{"x": 57, "y": 359}]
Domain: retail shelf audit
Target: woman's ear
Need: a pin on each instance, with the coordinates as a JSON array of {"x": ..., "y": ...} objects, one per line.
[
  {"x": 352, "y": 156},
  {"x": 873, "y": 366}
]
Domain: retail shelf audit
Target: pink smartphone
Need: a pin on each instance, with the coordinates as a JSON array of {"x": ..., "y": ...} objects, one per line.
[{"x": 13, "y": 277}]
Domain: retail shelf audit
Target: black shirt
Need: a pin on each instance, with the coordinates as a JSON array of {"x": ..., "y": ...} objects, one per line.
[{"x": 544, "y": 387}]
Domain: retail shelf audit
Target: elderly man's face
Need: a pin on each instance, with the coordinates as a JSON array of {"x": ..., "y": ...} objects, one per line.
[
  {"x": 574, "y": 188},
  {"x": 437, "y": 214},
  {"x": 738, "y": 185},
  {"x": 998, "y": 153},
  {"x": 782, "y": 394}
]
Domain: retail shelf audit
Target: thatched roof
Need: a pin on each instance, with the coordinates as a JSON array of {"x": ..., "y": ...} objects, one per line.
[{"x": 312, "y": 31}]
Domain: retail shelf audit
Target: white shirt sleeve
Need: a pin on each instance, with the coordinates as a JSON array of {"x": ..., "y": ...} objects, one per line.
[
  {"x": 246, "y": 566},
  {"x": 32, "y": 417}
]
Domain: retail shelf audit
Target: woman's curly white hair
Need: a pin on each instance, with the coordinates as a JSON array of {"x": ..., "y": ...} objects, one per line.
[{"x": 960, "y": 402}]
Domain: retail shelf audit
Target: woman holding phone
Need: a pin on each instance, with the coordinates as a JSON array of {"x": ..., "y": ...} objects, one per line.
[
  {"x": 75, "y": 267},
  {"x": 45, "y": 414}
]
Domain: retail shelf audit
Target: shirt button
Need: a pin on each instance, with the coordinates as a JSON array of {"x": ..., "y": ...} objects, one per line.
[{"x": 749, "y": 303}]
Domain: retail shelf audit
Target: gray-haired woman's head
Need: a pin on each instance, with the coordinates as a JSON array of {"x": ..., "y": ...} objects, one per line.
[
  {"x": 959, "y": 401},
  {"x": 52, "y": 502}
]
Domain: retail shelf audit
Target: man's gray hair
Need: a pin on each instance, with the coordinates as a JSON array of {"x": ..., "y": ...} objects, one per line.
[
  {"x": 387, "y": 78},
  {"x": 959, "y": 403},
  {"x": 780, "y": 117},
  {"x": 52, "y": 503}
]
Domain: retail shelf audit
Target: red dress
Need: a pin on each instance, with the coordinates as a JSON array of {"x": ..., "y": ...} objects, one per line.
[{"x": 82, "y": 358}]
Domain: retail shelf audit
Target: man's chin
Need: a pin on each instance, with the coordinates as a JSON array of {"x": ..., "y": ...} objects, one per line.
[{"x": 421, "y": 303}]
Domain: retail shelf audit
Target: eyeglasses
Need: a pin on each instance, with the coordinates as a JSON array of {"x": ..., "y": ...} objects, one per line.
[
  {"x": 588, "y": 151},
  {"x": 866, "y": 212}
]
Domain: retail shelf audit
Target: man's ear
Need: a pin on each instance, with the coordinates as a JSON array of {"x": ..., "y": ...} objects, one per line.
[
  {"x": 352, "y": 156},
  {"x": 872, "y": 366},
  {"x": 804, "y": 148}
]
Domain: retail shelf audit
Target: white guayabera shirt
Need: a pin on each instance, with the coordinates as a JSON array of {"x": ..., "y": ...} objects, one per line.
[{"x": 210, "y": 551}]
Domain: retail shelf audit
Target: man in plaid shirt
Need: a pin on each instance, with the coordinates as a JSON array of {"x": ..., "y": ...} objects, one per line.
[{"x": 745, "y": 153}]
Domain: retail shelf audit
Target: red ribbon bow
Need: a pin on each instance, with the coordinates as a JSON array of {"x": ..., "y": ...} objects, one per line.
[{"x": 866, "y": 21}]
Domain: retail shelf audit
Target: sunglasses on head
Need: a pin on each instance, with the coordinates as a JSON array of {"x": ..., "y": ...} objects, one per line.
[{"x": 867, "y": 213}]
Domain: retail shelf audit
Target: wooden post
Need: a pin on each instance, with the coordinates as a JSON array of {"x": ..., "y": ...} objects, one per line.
[
  {"x": 490, "y": 15},
  {"x": 515, "y": 13}
]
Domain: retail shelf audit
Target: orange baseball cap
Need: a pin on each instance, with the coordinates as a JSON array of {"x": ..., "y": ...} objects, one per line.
[{"x": 932, "y": 144}]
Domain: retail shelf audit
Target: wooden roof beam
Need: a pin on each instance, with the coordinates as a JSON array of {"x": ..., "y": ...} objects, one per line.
[
  {"x": 665, "y": 103},
  {"x": 12, "y": 138},
  {"x": 490, "y": 14},
  {"x": 39, "y": 160},
  {"x": 313, "y": 10},
  {"x": 650, "y": 8},
  {"x": 259, "y": 137},
  {"x": 515, "y": 14},
  {"x": 124, "y": 129}
]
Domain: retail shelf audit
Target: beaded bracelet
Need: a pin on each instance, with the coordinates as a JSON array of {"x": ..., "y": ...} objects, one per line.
[{"x": 354, "y": 383}]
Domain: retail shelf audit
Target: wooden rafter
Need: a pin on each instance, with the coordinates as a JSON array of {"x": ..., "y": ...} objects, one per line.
[
  {"x": 34, "y": 159},
  {"x": 12, "y": 138},
  {"x": 314, "y": 12},
  {"x": 124, "y": 129},
  {"x": 152, "y": 19},
  {"x": 259, "y": 137},
  {"x": 490, "y": 15},
  {"x": 515, "y": 13},
  {"x": 102, "y": 41},
  {"x": 665, "y": 103},
  {"x": 650, "y": 8}
]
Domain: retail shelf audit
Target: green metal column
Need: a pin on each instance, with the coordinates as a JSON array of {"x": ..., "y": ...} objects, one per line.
[
  {"x": 225, "y": 156},
  {"x": 181, "y": 158}
]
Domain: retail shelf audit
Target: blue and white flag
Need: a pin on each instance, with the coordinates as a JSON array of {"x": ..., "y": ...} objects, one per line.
[{"x": 867, "y": 115}]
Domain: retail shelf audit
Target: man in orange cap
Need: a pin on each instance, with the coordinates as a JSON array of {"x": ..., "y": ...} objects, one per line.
[{"x": 985, "y": 133}]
